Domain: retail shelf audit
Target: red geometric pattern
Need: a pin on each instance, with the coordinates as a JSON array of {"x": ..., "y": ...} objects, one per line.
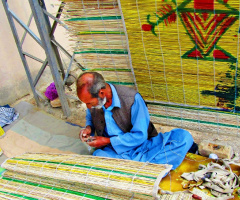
[{"x": 206, "y": 29}]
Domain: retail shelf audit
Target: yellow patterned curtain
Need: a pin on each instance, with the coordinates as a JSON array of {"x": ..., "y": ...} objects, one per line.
[{"x": 185, "y": 51}]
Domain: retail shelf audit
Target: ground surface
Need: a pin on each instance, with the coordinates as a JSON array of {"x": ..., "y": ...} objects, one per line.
[{"x": 78, "y": 117}]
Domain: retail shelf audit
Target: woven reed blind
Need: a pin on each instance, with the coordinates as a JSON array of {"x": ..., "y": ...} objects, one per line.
[
  {"x": 182, "y": 56},
  {"x": 72, "y": 176}
]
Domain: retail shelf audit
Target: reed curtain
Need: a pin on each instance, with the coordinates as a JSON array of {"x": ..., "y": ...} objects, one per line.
[
  {"x": 181, "y": 55},
  {"x": 35, "y": 176}
]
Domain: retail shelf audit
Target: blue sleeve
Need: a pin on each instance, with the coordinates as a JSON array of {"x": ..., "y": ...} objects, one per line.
[
  {"x": 89, "y": 121},
  {"x": 140, "y": 120}
]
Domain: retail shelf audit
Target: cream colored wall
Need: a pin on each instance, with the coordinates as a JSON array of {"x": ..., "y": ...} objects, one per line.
[{"x": 13, "y": 78}]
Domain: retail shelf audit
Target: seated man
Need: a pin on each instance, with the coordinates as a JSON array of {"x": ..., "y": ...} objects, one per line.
[{"x": 121, "y": 120}]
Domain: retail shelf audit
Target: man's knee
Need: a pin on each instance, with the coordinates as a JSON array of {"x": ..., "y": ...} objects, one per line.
[{"x": 183, "y": 135}]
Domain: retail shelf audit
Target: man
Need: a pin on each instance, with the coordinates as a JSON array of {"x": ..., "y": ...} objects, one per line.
[{"x": 121, "y": 120}]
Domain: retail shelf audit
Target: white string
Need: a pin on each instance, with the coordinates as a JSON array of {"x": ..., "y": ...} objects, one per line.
[
  {"x": 108, "y": 194},
  {"x": 237, "y": 123},
  {"x": 79, "y": 45},
  {"x": 14, "y": 177},
  {"x": 109, "y": 46},
  {"x": 184, "y": 157},
  {"x": 167, "y": 161},
  {"x": 180, "y": 53},
  {"x": 181, "y": 113},
  {"x": 86, "y": 178},
  {"x": 121, "y": 29},
  {"x": 163, "y": 59},
  {"x": 85, "y": 192},
  {"x": 69, "y": 179},
  {"x": 214, "y": 60},
  {"x": 26, "y": 180},
  {"x": 55, "y": 174},
  {"x": 198, "y": 114},
  {"x": 198, "y": 79},
  {"x": 110, "y": 173},
  {"x": 218, "y": 127},
  {"x": 149, "y": 71},
  {"x": 96, "y": 53},
  {"x": 128, "y": 57},
  {"x": 108, "y": 179},
  {"x": 40, "y": 173},
  {"x": 170, "y": 178},
  {"x": 144, "y": 164},
  {"x": 237, "y": 58},
  {"x": 93, "y": 165},
  {"x": 132, "y": 196},
  {"x": 166, "y": 111},
  {"x": 69, "y": 175},
  {"x": 77, "y": 48},
  {"x": 125, "y": 36}
]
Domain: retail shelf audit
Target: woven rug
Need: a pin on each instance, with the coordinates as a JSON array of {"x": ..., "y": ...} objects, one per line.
[
  {"x": 65, "y": 176},
  {"x": 54, "y": 176}
]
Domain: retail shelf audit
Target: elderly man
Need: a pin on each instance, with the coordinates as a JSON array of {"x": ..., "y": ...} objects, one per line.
[{"x": 121, "y": 120}]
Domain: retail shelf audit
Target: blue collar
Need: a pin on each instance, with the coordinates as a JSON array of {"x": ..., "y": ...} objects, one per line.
[{"x": 115, "y": 98}]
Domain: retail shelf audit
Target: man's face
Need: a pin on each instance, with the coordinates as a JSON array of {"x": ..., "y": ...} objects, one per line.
[
  {"x": 101, "y": 103},
  {"x": 90, "y": 102}
]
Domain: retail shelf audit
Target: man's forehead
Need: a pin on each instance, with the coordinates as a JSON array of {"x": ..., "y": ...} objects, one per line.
[
  {"x": 84, "y": 94},
  {"x": 83, "y": 90},
  {"x": 86, "y": 78}
]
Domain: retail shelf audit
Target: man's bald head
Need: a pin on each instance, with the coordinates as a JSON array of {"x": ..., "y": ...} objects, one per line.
[{"x": 93, "y": 82}]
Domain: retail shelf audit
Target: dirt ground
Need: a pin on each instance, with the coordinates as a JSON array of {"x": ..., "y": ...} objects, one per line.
[{"x": 78, "y": 117}]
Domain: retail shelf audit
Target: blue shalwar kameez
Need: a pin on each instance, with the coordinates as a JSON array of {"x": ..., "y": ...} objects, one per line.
[{"x": 168, "y": 148}]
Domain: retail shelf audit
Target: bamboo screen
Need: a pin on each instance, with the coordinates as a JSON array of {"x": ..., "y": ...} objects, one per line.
[
  {"x": 57, "y": 176},
  {"x": 101, "y": 43},
  {"x": 181, "y": 55}
]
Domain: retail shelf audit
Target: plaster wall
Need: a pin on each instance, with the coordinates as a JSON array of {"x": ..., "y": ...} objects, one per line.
[{"x": 13, "y": 79}]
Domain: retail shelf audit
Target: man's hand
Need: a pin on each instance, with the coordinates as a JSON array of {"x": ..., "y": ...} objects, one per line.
[
  {"x": 99, "y": 141},
  {"x": 85, "y": 134}
]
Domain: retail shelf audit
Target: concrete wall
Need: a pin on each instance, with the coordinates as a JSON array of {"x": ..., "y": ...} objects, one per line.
[{"x": 13, "y": 78}]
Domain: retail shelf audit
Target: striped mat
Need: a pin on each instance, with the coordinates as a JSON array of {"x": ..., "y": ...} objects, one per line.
[{"x": 65, "y": 176}]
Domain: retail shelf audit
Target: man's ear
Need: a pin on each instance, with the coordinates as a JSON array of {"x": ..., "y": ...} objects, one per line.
[{"x": 102, "y": 93}]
